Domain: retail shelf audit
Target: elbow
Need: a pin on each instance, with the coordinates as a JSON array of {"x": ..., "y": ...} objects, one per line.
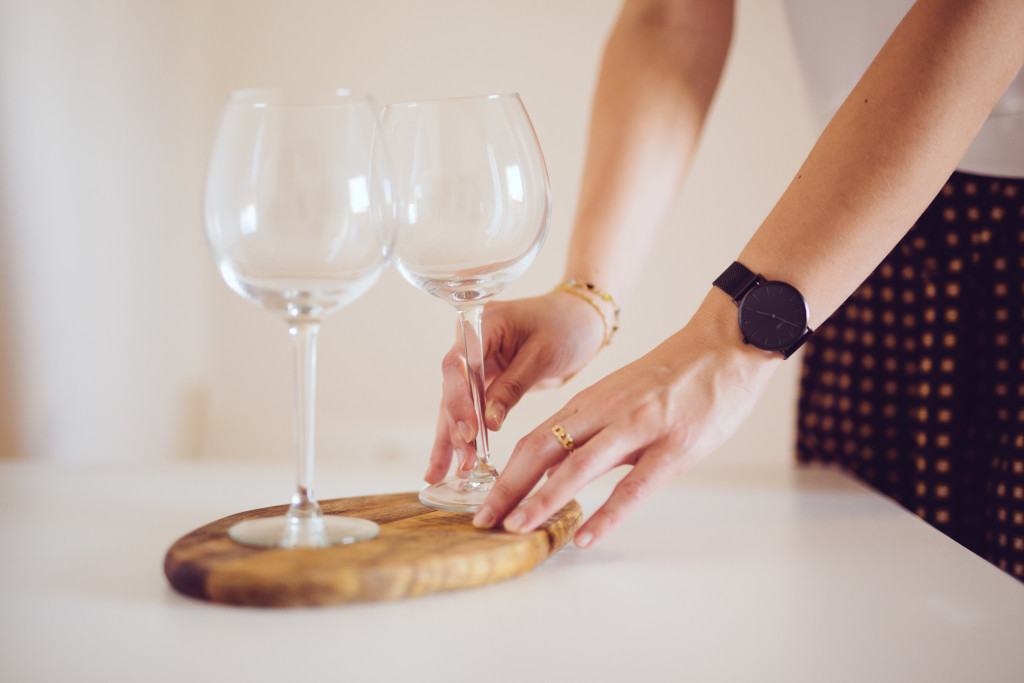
[{"x": 681, "y": 16}]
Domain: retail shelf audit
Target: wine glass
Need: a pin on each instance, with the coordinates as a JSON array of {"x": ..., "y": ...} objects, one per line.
[
  {"x": 299, "y": 219},
  {"x": 474, "y": 211}
]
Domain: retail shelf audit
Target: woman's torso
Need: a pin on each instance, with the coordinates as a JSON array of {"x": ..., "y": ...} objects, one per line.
[{"x": 837, "y": 39}]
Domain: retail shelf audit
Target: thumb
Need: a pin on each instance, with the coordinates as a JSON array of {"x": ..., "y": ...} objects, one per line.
[{"x": 508, "y": 387}]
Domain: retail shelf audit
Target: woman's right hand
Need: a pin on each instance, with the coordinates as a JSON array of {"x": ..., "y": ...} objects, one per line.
[{"x": 535, "y": 342}]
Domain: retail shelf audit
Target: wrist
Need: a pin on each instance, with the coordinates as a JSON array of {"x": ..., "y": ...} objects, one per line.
[
  {"x": 585, "y": 319},
  {"x": 601, "y": 301},
  {"x": 714, "y": 325}
]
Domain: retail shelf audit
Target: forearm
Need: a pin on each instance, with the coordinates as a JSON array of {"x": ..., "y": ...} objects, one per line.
[
  {"x": 890, "y": 147},
  {"x": 879, "y": 163},
  {"x": 660, "y": 69}
]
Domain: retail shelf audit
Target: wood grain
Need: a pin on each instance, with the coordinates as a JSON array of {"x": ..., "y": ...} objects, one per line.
[{"x": 419, "y": 550}]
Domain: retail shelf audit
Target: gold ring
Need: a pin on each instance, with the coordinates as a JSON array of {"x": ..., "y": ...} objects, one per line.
[{"x": 563, "y": 438}]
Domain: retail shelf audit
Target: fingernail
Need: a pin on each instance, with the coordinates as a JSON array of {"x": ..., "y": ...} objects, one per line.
[
  {"x": 497, "y": 411},
  {"x": 515, "y": 521},
  {"x": 465, "y": 431},
  {"x": 484, "y": 518},
  {"x": 584, "y": 539}
]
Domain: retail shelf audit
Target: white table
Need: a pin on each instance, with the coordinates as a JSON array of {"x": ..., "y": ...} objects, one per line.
[{"x": 729, "y": 574}]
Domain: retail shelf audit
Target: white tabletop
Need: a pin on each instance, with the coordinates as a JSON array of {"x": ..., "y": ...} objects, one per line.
[{"x": 729, "y": 574}]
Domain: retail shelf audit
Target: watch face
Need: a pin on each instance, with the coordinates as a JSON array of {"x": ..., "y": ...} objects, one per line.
[{"x": 773, "y": 316}]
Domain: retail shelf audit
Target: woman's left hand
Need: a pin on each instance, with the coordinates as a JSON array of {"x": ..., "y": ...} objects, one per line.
[{"x": 661, "y": 415}]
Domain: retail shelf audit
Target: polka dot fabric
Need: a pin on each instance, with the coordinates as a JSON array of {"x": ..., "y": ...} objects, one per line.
[{"x": 916, "y": 384}]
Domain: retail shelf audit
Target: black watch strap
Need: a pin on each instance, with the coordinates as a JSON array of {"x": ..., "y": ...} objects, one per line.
[
  {"x": 786, "y": 353},
  {"x": 736, "y": 280}
]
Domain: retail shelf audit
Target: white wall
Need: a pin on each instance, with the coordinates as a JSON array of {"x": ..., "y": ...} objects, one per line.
[
  {"x": 122, "y": 343},
  {"x": 100, "y": 151}
]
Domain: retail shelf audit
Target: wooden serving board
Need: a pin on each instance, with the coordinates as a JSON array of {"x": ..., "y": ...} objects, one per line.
[{"x": 419, "y": 550}]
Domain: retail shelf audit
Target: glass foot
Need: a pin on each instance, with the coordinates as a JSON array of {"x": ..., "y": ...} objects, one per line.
[
  {"x": 314, "y": 532},
  {"x": 456, "y": 494}
]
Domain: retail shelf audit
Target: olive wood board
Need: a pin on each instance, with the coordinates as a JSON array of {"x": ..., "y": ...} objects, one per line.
[{"x": 419, "y": 550}]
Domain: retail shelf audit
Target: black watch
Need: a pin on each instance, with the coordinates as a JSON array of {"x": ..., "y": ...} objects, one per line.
[{"x": 773, "y": 314}]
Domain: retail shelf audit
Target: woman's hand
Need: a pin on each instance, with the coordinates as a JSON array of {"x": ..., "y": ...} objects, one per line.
[
  {"x": 540, "y": 341},
  {"x": 660, "y": 414}
]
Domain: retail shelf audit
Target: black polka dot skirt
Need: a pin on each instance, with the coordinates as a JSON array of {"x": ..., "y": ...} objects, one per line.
[{"x": 916, "y": 384}]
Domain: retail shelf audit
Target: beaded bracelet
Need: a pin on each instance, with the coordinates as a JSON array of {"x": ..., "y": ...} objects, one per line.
[{"x": 577, "y": 289}]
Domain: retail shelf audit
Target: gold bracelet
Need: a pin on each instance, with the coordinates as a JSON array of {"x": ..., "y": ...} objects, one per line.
[
  {"x": 606, "y": 338},
  {"x": 578, "y": 287},
  {"x": 593, "y": 289}
]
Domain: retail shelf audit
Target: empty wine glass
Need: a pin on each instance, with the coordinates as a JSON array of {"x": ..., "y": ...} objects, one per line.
[
  {"x": 299, "y": 219},
  {"x": 474, "y": 210}
]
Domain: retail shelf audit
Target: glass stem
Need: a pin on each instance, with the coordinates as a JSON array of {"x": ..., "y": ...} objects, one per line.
[
  {"x": 304, "y": 335},
  {"x": 470, "y": 318}
]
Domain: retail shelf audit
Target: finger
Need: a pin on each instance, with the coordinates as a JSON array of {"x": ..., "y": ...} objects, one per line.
[
  {"x": 597, "y": 456},
  {"x": 457, "y": 404},
  {"x": 509, "y": 386},
  {"x": 651, "y": 471},
  {"x": 534, "y": 455},
  {"x": 441, "y": 452}
]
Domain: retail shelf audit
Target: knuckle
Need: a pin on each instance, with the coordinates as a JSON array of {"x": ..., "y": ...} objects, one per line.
[
  {"x": 546, "y": 354},
  {"x": 632, "y": 491},
  {"x": 683, "y": 439},
  {"x": 587, "y": 466},
  {"x": 652, "y": 414},
  {"x": 512, "y": 387},
  {"x": 530, "y": 447},
  {"x": 601, "y": 522},
  {"x": 543, "y": 501},
  {"x": 503, "y": 491},
  {"x": 451, "y": 363}
]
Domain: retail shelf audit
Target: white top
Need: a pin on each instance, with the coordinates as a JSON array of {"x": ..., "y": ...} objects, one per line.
[
  {"x": 731, "y": 573},
  {"x": 836, "y": 42}
]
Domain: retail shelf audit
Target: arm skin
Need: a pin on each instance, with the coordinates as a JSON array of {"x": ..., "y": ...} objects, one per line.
[
  {"x": 661, "y": 65},
  {"x": 882, "y": 159},
  {"x": 660, "y": 70}
]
